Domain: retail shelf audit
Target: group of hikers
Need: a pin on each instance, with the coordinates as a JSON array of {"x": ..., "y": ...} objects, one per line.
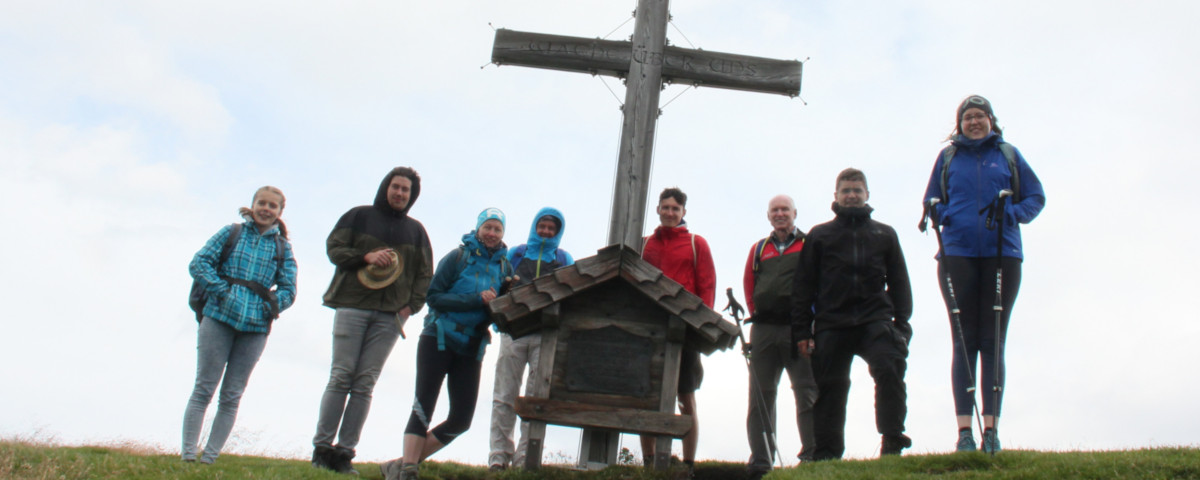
[{"x": 815, "y": 301}]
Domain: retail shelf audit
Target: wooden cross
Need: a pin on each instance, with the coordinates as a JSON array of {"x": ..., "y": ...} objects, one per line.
[{"x": 646, "y": 64}]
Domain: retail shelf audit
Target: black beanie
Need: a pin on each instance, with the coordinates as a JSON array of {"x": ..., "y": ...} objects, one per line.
[{"x": 975, "y": 101}]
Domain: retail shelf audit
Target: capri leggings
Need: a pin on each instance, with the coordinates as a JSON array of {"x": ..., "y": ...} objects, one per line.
[{"x": 461, "y": 373}]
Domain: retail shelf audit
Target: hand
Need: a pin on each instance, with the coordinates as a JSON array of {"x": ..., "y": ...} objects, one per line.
[
  {"x": 807, "y": 347},
  {"x": 404, "y": 313},
  {"x": 488, "y": 296},
  {"x": 379, "y": 257}
]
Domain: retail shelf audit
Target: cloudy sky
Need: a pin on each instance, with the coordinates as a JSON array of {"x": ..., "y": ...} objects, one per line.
[{"x": 131, "y": 131}]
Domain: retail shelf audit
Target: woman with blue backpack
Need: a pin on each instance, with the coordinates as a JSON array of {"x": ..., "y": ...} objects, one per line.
[
  {"x": 979, "y": 193},
  {"x": 234, "y": 274},
  {"x": 452, "y": 344}
]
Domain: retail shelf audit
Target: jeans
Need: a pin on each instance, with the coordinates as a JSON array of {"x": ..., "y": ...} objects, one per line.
[
  {"x": 220, "y": 350},
  {"x": 772, "y": 352},
  {"x": 514, "y": 355},
  {"x": 362, "y": 342}
]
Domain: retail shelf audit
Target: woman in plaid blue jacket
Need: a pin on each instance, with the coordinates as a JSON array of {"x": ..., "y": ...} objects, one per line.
[{"x": 236, "y": 319}]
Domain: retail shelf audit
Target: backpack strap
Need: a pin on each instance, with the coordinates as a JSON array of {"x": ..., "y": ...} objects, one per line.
[
  {"x": 519, "y": 254},
  {"x": 947, "y": 156},
  {"x": 758, "y": 253},
  {"x": 235, "y": 231},
  {"x": 1010, "y": 154}
]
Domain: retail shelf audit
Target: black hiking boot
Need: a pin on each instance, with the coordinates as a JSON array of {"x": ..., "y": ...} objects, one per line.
[
  {"x": 322, "y": 457},
  {"x": 893, "y": 444}
]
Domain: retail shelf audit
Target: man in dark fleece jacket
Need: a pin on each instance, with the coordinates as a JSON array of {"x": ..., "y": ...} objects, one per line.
[
  {"x": 384, "y": 266},
  {"x": 852, "y": 297}
]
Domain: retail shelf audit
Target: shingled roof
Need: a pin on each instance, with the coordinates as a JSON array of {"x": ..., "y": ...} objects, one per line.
[{"x": 610, "y": 264}]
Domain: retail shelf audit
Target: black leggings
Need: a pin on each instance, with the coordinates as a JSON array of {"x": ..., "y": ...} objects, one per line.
[
  {"x": 462, "y": 375},
  {"x": 975, "y": 290}
]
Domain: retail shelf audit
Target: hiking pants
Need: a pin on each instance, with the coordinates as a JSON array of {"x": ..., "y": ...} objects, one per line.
[
  {"x": 884, "y": 348},
  {"x": 772, "y": 352},
  {"x": 461, "y": 374}
]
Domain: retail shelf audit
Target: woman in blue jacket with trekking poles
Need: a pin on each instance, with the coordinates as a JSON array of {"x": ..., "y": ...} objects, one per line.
[
  {"x": 451, "y": 347},
  {"x": 980, "y": 191},
  {"x": 234, "y": 274}
]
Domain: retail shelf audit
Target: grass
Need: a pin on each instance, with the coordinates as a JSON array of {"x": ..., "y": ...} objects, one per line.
[{"x": 32, "y": 460}]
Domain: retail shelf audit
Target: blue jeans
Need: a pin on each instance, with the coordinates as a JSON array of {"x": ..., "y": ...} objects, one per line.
[
  {"x": 362, "y": 342},
  {"x": 220, "y": 351}
]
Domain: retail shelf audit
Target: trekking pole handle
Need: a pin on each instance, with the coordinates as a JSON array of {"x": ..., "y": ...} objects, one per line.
[
  {"x": 934, "y": 201},
  {"x": 1005, "y": 193}
]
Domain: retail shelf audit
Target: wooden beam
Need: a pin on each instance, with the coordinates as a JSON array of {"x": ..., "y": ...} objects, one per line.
[
  {"x": 686, "y": 66},
  {"x": 628, "y": 420}
]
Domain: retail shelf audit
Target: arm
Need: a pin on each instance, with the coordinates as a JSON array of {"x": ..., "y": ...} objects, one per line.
[
  {"x": 285, "y": 279},
  {"x": 339, "y": 246},
  {"x": 748, "y": 282},
  {"x": 439, "y": 297},
  {"x": 898, "y": 286},
  {"x": 706, "y": 273},
  {"x": 804, "y": 290},
  {"x": 424, "y": 278},
  {"x": 204, "y": 266},
  {"x": 933, "y": 189},
  {"x": 1033, "y": 198}
]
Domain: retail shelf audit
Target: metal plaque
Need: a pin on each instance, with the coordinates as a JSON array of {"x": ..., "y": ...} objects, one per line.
[{"x": 608, "y": 360}]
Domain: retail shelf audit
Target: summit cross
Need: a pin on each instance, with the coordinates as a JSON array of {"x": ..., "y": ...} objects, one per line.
[{"x": 646, "y": 63}]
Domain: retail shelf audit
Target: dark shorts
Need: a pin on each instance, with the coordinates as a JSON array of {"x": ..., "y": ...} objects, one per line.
[{"x": 691, "y": 371}]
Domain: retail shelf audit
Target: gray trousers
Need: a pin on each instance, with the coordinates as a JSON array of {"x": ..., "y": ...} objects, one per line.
[
  {"x": 362, "y": 342},
  {"x": 772, "y": 352}
]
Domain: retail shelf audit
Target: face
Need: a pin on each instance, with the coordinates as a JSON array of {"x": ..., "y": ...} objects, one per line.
[
  {"x": 398, "y": 192},
  {"x": 266, "y": 209},
  {"x": 546, "y": 228},
  {"x": 491, "y": 233},
  {"x": 670, "y": 212},
  {"x": 851, "y": 193},
  {"x": 782, "y": 213},
  {"x": 975, "y": 123}
]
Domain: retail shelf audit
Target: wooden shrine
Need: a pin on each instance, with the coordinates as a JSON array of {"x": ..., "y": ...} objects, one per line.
[{"x": 613, "y": 328}]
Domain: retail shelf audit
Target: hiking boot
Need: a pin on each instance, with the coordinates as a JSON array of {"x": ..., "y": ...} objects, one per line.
[
  {"x": 966, "y": 441},
  {"x": 321, "y": 457},
  {"x": 339, "y": 461},
  {"x": 409, "y": 472},
  {"x": 893, "y": 444},
  {"x": 991, "y": 441},
  {"x": 391, "y": 469}
]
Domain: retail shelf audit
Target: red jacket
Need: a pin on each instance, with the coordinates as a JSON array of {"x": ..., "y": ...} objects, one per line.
[{"x": 672, "y": 251}]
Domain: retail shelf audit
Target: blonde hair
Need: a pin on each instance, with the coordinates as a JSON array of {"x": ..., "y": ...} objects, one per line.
[{"x": 247, "y": 212}]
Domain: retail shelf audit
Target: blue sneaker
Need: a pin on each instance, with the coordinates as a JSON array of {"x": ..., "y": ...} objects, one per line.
[
  {"x": 966, "y": 441},
  {"x": 991, "y": 441}
]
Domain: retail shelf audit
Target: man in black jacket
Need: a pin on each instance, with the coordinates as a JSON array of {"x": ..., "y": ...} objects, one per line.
[{"x": 852, "y": 297}]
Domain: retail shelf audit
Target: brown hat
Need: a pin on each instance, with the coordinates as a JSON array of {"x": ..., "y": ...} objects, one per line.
[{"x": 376, "y": 277}]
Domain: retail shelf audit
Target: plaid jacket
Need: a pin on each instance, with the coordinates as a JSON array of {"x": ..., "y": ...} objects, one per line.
[{"x": 252, "y": 258}]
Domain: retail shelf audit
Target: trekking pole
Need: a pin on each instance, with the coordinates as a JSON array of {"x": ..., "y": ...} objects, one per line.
[
  {"x": 735, "y": 309},
  {"x": 995, "y": 220},
  {"x": 955, "y": 313}
]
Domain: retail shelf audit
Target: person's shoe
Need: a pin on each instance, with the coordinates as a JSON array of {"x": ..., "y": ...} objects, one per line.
[
  {"x": 391, "y": 469},
  {"x": 409, "y": 472},
  {"x": 497, "y": 467},
  {"x": 321, "y": 457},
  {"x": 893, "y": 444},
  {"x": 339, "y": 461},
  {"x": 966, "y": 441},
  {"x": 758, "y": 474},
  {"x": 991, "y": 441}
]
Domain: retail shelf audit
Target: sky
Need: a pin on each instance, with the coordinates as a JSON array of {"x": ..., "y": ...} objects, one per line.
[{"x": 131, "y": 131}]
